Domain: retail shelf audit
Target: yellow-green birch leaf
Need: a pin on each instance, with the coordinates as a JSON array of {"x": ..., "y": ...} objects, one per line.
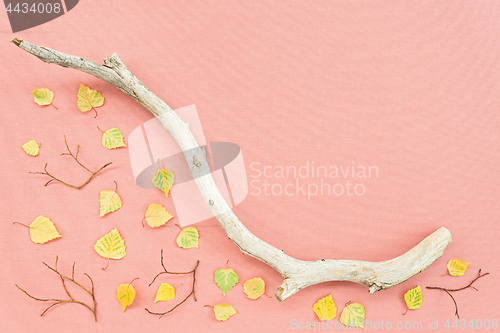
[
  {"x": 165, "y": 293},
  {"x": 112, "y": 138},
  {"x": 42, "y": 230},
  {"x": 109, "y": 202},
  {"x": 43, "y": 96},
  {"x": 413, "y": 298},
  {"x": 31, "y": 148},
  {"x": 156, "y": 216},
  {"x": 325, "y": 308},
  {"x": 457, "y": 267},
  {"x": 88, "y": 99},
  {"x": 111, "y": 246},
  {"x": 254, "y": 288},
  {"x": 188, "y": 238},
  {"x": 353, "y": 315},
  {"x": 125, "y": 294},
  {"x": 164, "y": 179},
  {"x": 224, "y": 311},
  {"x": 226, "y": 279}
]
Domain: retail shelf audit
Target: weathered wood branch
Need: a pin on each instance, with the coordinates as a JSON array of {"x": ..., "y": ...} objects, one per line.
[{"x": 297, "y": 274}]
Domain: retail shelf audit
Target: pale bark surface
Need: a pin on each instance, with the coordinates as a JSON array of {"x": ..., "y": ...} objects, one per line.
[{"x": 297, "y": 274}]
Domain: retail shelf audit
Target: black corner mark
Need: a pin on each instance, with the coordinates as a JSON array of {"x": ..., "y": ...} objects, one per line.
[{"x": 26, "y": 14}]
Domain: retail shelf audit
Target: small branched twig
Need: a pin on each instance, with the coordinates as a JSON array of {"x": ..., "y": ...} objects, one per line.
[
  {"x": 71, "y": 299},
  {"x": 449, "y": 291},
  {"x": 75, "y": 157},
  {"x": 165, "y": 271}
]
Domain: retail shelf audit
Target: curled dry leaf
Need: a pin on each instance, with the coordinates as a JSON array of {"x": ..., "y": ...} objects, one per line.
[
  {"x": 31, "y": 148},
  {"x": 42, "y": 230},
  {"x": 111, "y": 246},
  {"x": 457, "y": 267},
  {"x": 226, "y": 279},
  {"x": 188, "y": 237},
  {"x": 156, "y": 216},
  {"x": 165, "y": 293},
  {"x": 325, "y": 308}
]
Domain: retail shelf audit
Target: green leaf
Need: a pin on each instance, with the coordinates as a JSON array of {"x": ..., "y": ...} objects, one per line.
[
  {"x": 88, "y": 99},
  {"x": 111, "y": 246},
  {"x": 109, "y": 202},
  {"x": 353, "y": 315},
  {"x": 188, "y": 238},
  {"x": 164, "y": 179},
  {"x": 413, "y": 298},
  {"x": 31, "y": 148},
  {"x": 226, "y": 279},
  {"x": 43, "y": 96}
]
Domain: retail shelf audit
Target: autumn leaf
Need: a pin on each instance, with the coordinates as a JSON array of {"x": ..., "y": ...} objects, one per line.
[
  {"x": 325, "y": 308},
  {"x": 223, "y": 311},
  {"x": 413, "y": 298},
  {"x": 164, "y": 179},
  {"x": 89, "y": 99},
  {"x": 111, "y": 246},
  {"x": 42, "y": 230},
  {"x": 254, "y": 288},
  {"x": 188, "y": 237},
  {"x": 226, "y": 279},
  {"x": 125, "y": 294},
  {"x": 165, "y": 293},
  {"x": 112, "y": 138},
  {"x": 457, "y": 267},
  {"x": 109, "y": 202},
  {"x": 43, "y": 96},
  {"x": 31, "y": 148},
  {"x": 156, "y": 216},
  {"x": 353, "y": 315}
]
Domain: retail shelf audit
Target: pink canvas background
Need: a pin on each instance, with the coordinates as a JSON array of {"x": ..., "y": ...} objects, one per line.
[{"x": 409, "y": 87}]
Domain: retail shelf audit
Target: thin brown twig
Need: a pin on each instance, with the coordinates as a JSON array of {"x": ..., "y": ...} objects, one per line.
[
  {"x": 75, "y": 157},
  {"x": 161, "y": 314},
  {"x": 449, "y": 291},
  {"x": 71, "y": 300}
]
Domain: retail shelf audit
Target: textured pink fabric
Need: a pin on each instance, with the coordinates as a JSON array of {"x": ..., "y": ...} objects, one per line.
[{"x": 410, "y": 88}]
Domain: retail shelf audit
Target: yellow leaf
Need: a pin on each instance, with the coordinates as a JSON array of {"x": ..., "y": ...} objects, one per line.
[
  {"x": 156, "y": 215},
  {"x": 457, "y": 267},
  {"x": 125, "y": 294},
  {"x": 413, "y": 298},
  {"x": 226, "y": 279},
  {"x": 353, "y": 315},
  {"x": 325, "y": 308},
  {"x": 42, "y": 230},
  {"x": 224, "y": 311},
  {"x": 165, "y": 293},
  {"x": 188, "y": 238},
  {"x": 43, "y": 96},
  {"x": 254, "y": 288},
  {"x": 111, "y": 246},
  {"x": 109, "y": 202},
  {"x": 89, "y": 99},
  {"x": 31, "y": 147},
  {"x": 164, "y": 179},
  {"x": 112, "y": 138}
]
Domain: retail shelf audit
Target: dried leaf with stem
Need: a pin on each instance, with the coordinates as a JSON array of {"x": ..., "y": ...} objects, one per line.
[
  {"x": 71, "y": 299},
  {"x": 449, "y": 291},
  {"x": 165, "y": 271},
  {"x": 75, "y": 157}
]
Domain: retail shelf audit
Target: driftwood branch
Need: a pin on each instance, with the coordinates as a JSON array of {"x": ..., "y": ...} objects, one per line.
[{"x": 297, "y": 274}]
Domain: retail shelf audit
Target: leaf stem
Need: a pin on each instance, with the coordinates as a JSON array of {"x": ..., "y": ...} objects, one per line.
[
  {"x": 54, "y": 106},
  {"x": 449, "y": 291},
  {"x": 75, "y": 157},
  {"x": 161, "y": 314}
]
